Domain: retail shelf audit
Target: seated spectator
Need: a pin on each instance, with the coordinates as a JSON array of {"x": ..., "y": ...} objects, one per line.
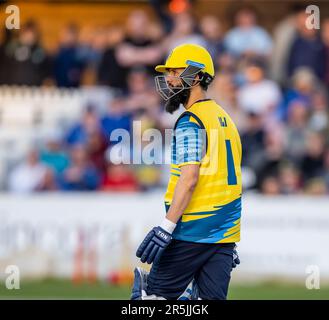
[
  {"x": 227, "y": 64},
  {"x": 31, "y": 175},
  {"x": 270, "y": 186},
  {"x": 53, "y": 155},
  {"x": 319, "y": 117},
  {"x": 91, "y": 53},
  {"x": 120, "y": 178},
  {"x": 96, "y": 146},
  {"x": 267, "y": 91},
  {"x": 117, "y": 117},
  {"x": 68, "y": 64},
  {"x": 307, "y": 49},
  {"x": 312, "y": 163},
  {"x": 253, "y": 141},
  {"x": 289, "y": 179},
  {"x": 90, "y": 123},
  {"x": 247, "y": 38},
  {"x": 303, "y": 86},
  {"x": 141, "y": 93},
  {"x": 97, "y": 47},
  {"x": 296, "y": 131},
  {"x": 316, "y": 187},
  {"x": 81, "y": 175},
  {"x": 272, "y": 156}
]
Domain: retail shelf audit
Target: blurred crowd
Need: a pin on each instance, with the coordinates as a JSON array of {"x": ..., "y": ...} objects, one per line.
[{"x": 273, "y": 84}]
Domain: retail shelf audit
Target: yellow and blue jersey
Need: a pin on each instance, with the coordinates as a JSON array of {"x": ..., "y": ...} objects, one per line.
[{"x": 206, "y": 135}]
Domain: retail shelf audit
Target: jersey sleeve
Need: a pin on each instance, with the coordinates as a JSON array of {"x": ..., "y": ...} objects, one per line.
[{"x": 189, "y": 141}]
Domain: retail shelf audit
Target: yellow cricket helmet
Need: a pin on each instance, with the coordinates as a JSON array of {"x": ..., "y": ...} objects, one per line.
[{"x": 189, "y": 54}]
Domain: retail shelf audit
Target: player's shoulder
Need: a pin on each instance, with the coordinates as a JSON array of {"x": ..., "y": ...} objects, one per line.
[{"x": 187, "y": 120}]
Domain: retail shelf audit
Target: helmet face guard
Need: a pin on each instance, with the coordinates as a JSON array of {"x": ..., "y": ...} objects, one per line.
[{"x": 186, "y": 79}]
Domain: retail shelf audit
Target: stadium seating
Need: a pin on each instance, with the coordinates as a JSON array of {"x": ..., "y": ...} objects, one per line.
[{"x": 27, "y": 114}]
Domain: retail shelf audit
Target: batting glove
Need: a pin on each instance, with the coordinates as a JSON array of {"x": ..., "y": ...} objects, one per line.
[{"x": 152, "y": 247}]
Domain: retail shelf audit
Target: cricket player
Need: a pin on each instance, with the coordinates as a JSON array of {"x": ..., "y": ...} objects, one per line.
[{"x": 196, "y": 240}]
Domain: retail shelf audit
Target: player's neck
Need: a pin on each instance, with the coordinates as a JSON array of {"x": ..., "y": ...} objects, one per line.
[{"x": 196, "y": 94}]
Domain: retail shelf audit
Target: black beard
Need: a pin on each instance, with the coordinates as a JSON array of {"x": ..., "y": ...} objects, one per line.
[{"x": 174, "y": 102}]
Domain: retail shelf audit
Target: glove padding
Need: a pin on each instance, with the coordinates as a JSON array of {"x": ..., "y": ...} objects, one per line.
[
  {"x": 236, "y": 259},
  {"x": 152, "y": 247}
]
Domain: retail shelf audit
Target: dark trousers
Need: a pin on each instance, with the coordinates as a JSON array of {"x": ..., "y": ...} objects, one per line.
[{"x": 209, "y": 264}]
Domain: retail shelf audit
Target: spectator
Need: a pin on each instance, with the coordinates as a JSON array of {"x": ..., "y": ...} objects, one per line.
[
  {"x": 53, "y": 155},
  {"x": 119, "y": 178},
  {"x": 312, "y": 163},
  {"x": 296, "y": 131},
  {"x": 267, "y": 91},
  {"x": 141, "y": 93},
  {"x": 138, "y": 49},
  {"x": 78, "y": 133},
  {"x": 117, "y": 117},
  {"x": 316, "y": 187},
  {"x": 81, "y": 175},
  {"x": 110, "y": 72},
  {"x": 26, "y": 59},
  {"x": 136, "y": 24},
  {"x": 91, "y": 54},
  {"x": 247, "y": 38},
  {"x": 304, "y": 84},
  {"x": 253, "y": 141},
  {"x": 30, "y": 176},
  {"x": 227, "y": 63},
  {"x": 283, "y": 36},
  {"x": 96, "y": 146},
  {"x": 319, "y": 117},
  {"x": 97, "y": 47},
  {"x": 273, "y": 155},
  {"x": 68, "y": 64},
  {"x": 270, "y": 186},
  {"x": 289, "y": 179},
  {"x": 307, "y": 49}
]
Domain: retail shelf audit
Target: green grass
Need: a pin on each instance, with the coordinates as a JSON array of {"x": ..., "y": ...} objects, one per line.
[{"x": 63, "y": 289}]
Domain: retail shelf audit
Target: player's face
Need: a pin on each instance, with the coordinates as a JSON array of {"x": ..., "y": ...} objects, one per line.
[{"x": 172, "y": 77}]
